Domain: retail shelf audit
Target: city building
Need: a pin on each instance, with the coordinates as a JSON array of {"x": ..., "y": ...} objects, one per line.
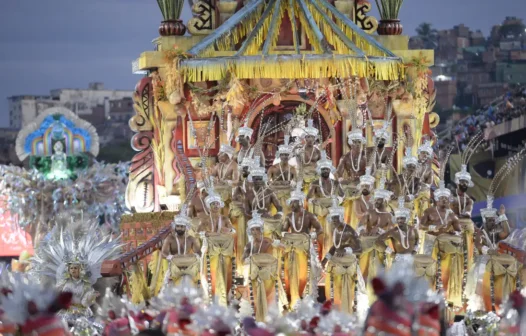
[
  {"x": 24, "y": 109},
  {"x": 512, "y": 73},
  {"x": 446, "y": 88}
]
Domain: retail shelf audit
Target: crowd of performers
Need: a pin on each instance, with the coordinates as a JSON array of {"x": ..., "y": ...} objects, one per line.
[
  {"x": 282, "y": 232},
  {"x": 379, "y": 242}
]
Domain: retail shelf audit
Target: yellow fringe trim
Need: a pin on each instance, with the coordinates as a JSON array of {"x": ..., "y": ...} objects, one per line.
[
  {"x": 308, "y": 31},
  {"x": 293, "y": 68},
  {"x": 138, "y": 286},
  {"x": 332, "y": 38},
  {"x": 152, "y": 266}
]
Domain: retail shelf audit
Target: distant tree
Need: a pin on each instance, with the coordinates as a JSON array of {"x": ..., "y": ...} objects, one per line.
[{"x": 428, "y": 35}]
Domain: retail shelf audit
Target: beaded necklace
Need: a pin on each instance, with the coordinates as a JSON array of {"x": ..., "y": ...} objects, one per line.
[{"x": 294, "y": 222}]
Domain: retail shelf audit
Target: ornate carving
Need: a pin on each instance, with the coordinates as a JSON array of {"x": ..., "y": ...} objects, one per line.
[
  {"x": 140, "y": 193},
  {"x": 369, "y": 24},
  {"x": 204, "y": 20}
]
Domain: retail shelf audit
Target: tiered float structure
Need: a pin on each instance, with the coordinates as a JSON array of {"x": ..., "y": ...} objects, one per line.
[{"x": 287, "y": 53}]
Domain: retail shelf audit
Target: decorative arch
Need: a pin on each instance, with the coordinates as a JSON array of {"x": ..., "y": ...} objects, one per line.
[
  {"x": 35, "y": 138},
  {"x": 336, "y": 141}
]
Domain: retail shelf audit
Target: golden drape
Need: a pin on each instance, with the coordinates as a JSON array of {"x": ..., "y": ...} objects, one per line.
[
  {"x": 451, "y": 253},
  {"x": 296, "y": 254},
  {"x": 309, "y": 175},
  {"x": 425, "y": 267},
  {"x": 468, "y": 231},
  {"x": 342, "y": 272},
  {"x": 237, "y": 216},
  {"x": 505, "y": 270},
  {"x": 321, "y": 211},
  {"x": 371, "y": 259},
  {"x": 220, "y": 252},
  {"x": 184, "y": 266},
  {"x": 263, "y": 274}
]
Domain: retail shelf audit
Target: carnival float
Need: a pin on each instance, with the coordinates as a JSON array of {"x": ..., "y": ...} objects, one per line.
[{"x": 287, "y": 181}]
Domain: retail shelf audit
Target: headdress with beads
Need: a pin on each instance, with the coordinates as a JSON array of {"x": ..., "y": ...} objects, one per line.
[
  {"x": 213, "y": 196},
  {"x": 244, "y": 131},
  {"x": 500, "y": 176},
  {"x": 402, "y": 211},
  {"x": 297, "y": 194},
  {"x": 228, "y": 150},
  {"x": 381, "y": 192},
  {"x": 310, "y": 129},
  {"x": 324, "y": 162},
  {"x": 286, "y": 148},
  {"x": 182, "y": 218},
  {"x": 367, "y": 178},
  {"x": 463, "y": 174},
  {"x": 255, "y": 222},
  {"x": 426, "y": 147},
  {"x": 383, "y": 132},
  {"x": 257, "y": 171},
  {"x": 336, "y": 209},
  {"x": 409, "y": 158}
]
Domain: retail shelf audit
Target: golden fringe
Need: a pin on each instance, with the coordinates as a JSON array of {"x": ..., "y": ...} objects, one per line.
[
  {"x": 274, "y": 38},
  {"x": 139, "y": 289},
  {"x": 294, "y": 68},
  {"x": 308, "y": 31},
  {"x": 233, "y": 37},
  {"x": 329, "y": 34}
]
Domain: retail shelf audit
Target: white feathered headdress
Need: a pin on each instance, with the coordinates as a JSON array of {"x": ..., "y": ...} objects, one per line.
[{"x": 84, "y": 244}]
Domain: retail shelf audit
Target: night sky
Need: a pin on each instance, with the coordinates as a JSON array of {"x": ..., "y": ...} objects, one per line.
[{"x": 48, "y": 44}]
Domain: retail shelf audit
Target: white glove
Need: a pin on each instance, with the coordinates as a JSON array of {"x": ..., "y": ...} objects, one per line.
[
  {"x": 340, "y": 200},
  {"x": 276, "y": 243},
  {"x": 381, "y": 231},
  {"x": 348, "y": 250},
  {"x": 432, "y": 228},
  {"x": 485, "y": 250},
  {"x": 328, "y": 256},
  {"x": 360, "y": 229},
  {"x": 170, "y": 257},
  {"x": 313, "y": 235},
  {"x": 283, "y": 233},
  {"x": 202, "y": 235},
  {"x": 233, "y": 230},
  {"x": 389, "y": 250}
]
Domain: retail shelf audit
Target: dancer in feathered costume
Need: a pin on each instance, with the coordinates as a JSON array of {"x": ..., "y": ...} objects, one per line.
[
  {"x": 71, "y": 257},
  {"x": 493, "y": 276}
]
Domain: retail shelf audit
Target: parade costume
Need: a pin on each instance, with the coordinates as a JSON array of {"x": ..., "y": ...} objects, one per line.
[
  {"x": 301, "y": 264},
  {"x": 263, "y": 276},
  {"x": 321, "y": 206},
  {"x": 500, "y": 273},
  {"x": 344, "y": 283},
  {"x": 307, "y": 164},
  {"x": 281, "y": 188},
  {"x": 218, "y": 266},
  {"x": 183, "y": 267},
  {"x": 73, "y": 258},
  {"x": 448, "y": 251}
]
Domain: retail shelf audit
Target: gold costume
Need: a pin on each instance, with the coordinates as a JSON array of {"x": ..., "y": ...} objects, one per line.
[
  {"x": 342, "y": 281},
  {"x": 504, "y": 269},
  {"x": 296, "y": 255},
  {"x": 264, "y": 280},
  {"x": 309, "y": 175},
  {"x": 468, "y": 232},
  {"x": 425, "y": 267},
  {"x": 225, "y": 191},
  {"x": 220, "y": 253},
  {"x": 371, "y": 259},
  {"x": 448, "y": 251},
  {"x": 282, "y": 194},
  {"x": 348, "y": 205},
  {"x": 321, "y": 211},
  {"x": 184, "y": 267},
  {"x": 237, "y": 216}
]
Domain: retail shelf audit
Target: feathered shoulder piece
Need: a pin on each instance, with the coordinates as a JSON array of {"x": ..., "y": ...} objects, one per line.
[{"x": 85, "y": 244}]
